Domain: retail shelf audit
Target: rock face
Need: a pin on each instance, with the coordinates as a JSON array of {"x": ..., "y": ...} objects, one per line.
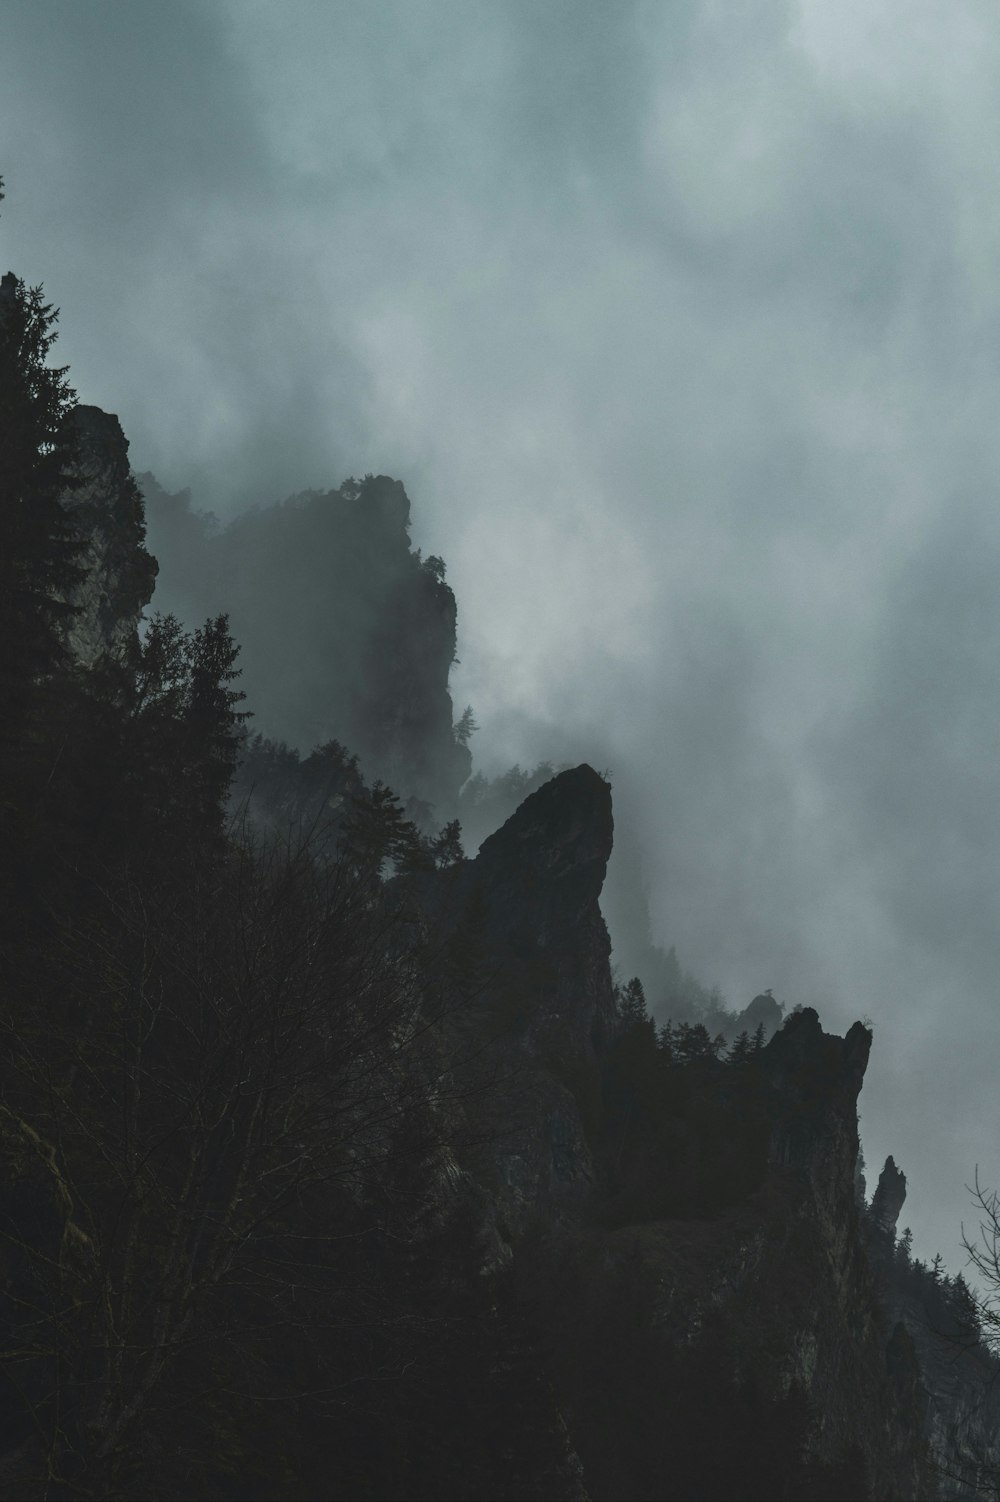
[
  {"x": 961, "y": 1376},
  {"x": 526, "y": 918},
  {"x": 866, "y": 1387},
  {"x": 345, "y": 633},
  {"x": 781, "y": 1277},
  {"x": 888, "y": 1198},
  {"x": 107, "y": 510},
  {"x": 402, "y": 720},
  {"x": 763, "y": 1010},
  {"x": 783, "y": 1272},
  {"x": 541, "y": 875},
  {"x": 538, "y": 880}
]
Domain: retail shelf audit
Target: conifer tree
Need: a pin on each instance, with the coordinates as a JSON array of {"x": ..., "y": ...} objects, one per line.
[
  {"x": 465, "y": 726},
  {"x": 693, "y": 1041},
  {"x": 904, "y": 1247},
  {"x": 741, "y": 1050},
  {"x": 211, "y": 714},
  {"x": 377, "y": 831},
  {"x": 173, "y": 731},
  {"x": 632, "y": 1004},
  {"x": 39, "y": 559},
  {"x": 446, "y": 846}
]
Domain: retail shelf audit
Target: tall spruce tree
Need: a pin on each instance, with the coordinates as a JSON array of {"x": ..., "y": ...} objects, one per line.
[
  {"x": 172, "y": 735},
  {"x": 39, "y": 556},
  {"x": 212, "y": 718}
]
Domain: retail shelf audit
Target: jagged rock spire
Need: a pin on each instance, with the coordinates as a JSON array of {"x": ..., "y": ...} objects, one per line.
[
  {"x": 889, "y": 1197},
  {"x": 556, "y": 846}
]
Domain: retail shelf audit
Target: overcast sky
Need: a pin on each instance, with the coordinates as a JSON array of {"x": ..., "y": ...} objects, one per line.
[{"x": 681, "y": 324}]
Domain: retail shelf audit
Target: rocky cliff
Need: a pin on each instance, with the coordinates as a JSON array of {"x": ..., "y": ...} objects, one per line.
[
  {"x": 957, "y": 1368},
  {"x": 789, "y": 1273},
  {"x": 524, "y": 919},
  {"x": 774, "y": 1282},
  {"x": 888, "y": 1199},
  {"x": 539, "y": 878},
  {"x": 106, "y": 507},
  {"x": 346, "y": 633}
]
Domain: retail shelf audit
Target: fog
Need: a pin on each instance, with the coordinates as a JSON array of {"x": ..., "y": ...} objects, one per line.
[{"x": 681, "y": 325}]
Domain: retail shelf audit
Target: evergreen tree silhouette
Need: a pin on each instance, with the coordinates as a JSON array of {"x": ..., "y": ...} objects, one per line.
[{"x": 39, "y": 559}]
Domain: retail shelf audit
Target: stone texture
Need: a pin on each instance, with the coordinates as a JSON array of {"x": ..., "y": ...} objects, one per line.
[
  {"x": 525, "y": 913},
  {"x": 888, "y": 1198},
  {"x": 107, "y": 510}
]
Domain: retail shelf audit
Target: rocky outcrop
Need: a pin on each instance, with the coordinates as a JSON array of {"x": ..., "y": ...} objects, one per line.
[
  {"x": 958, "y": 1370},
  {"x": 540, "y": 876},
  {"x": 782, "y": 1273},
  {"x": 402, "y": 721},
  {"x": 888, "y": 1199},
  {"x": 106, "y": 508},
  {"x": 763, "y": 1011},
  {"x": 524, "y": 916},
  {"x": 345, "y": 632},
  {"x": 866, "y": 1387},
  {"x": 784, "y": 1276}
]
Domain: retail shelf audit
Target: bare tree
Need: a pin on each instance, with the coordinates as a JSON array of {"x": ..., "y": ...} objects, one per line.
[{"x": 209, "y": 1088}]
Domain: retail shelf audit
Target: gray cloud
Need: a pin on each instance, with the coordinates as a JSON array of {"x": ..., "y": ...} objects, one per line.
[{"x": 681, "y": 325}]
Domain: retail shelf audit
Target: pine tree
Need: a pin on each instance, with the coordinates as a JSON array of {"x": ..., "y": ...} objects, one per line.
[
  {"x": 446, "y": 846},
  {"x": 39, "y": 559},
  {"x": 692, "y": 1041},
  {"x": 212, "y": 719},
  {"x": 377, "y": 831},
  {"x": 465, "y": 726},
  {"x": 632, "y": 1003},
  {"x": 966, "y": 1311},
  {"x": 741, "y": 1050},
  {"x": 172, "y": 732}
]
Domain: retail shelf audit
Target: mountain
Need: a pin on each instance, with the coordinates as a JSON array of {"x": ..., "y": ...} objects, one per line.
[{"x": 334, "y": 1163}]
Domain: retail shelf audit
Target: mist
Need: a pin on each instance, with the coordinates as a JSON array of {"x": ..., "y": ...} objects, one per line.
[{"x": 679, "y": 324}]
